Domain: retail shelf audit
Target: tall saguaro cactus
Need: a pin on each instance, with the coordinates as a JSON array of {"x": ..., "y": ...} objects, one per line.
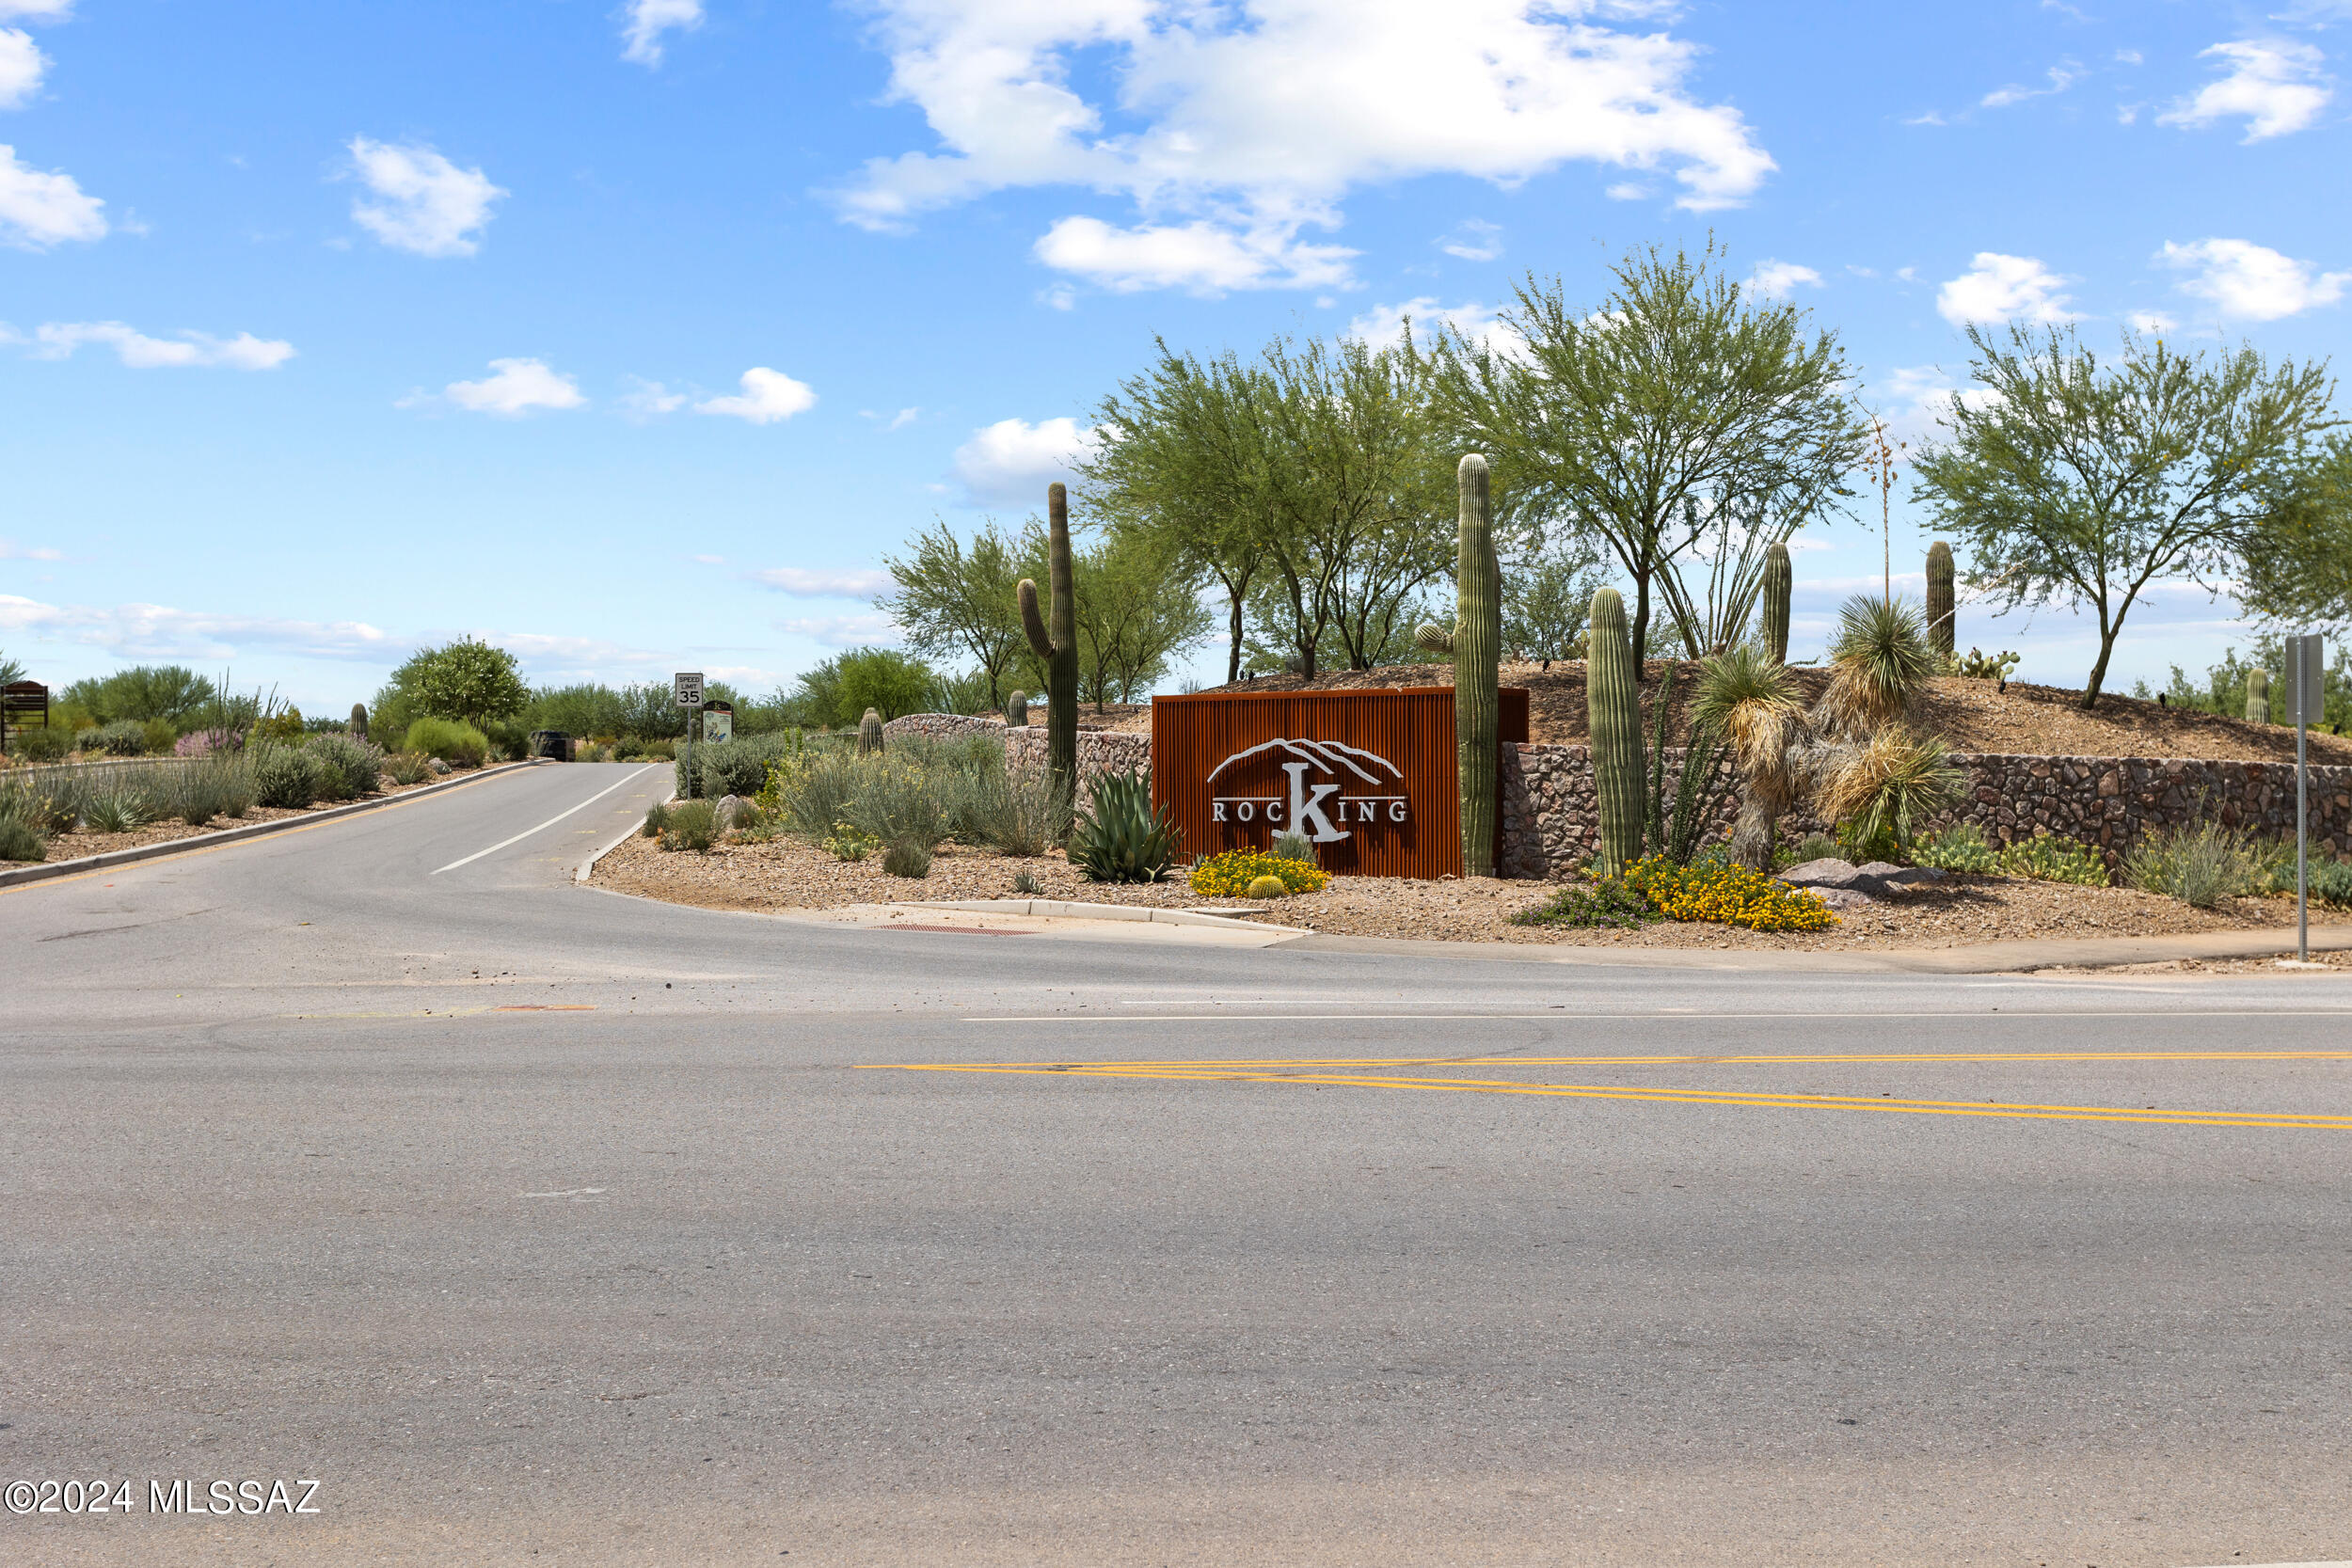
[
  {"x": 1940, "y": 600},
  {"x": 1058, "y": 645},
  {"x": 1476, "y": 644},
  {"x": 1612, "y": 707},
  {"x": 1780, "y": 577},
  {"x": 2257, "y": 697}
]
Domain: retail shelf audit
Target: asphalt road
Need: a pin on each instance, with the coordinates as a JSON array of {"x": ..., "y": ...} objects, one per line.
[{"x": 534, "y": 1223}]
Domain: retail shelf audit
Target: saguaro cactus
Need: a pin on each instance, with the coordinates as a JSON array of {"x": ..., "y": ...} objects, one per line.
[
  {"x": 359, "y": 721},
  {"x": 2257, "y": 697},
  {"x": 1940, "y": 600},
  {"x": 1058, "y": 645},
  {"x": 1476, "y": 644},
  {"x": 869, "y": 732},
  {"x": 1779, "y": 578},
  {"x": 1612, "y": 707},
  {"x": 1017, "y": 710}
]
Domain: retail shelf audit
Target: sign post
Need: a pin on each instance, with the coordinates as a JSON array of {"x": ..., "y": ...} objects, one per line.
[
  {"x": 2307, "y": 674},
  {"x": 687, "y": 688}
]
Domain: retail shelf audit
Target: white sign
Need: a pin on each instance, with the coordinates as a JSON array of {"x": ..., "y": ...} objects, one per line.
[
  {"x": 687, "y": 685},
  {"x": 1331, "y": 791}
]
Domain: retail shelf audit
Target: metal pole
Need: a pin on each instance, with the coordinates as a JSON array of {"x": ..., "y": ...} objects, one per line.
[{"x": 2302, "y": 835}]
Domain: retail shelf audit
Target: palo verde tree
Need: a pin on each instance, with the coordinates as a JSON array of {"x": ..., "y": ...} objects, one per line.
[
  {"x": 1641, "y": 421},
  {"x": 2079, "y": 482},
  {"x": 2298, "y": 570},
  {"x": 951, "y": 600},
  {"x": 467, "y": 680}
]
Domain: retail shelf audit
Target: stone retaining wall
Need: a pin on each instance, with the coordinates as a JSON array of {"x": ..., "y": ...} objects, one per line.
[{"x": 940, "y": 726}]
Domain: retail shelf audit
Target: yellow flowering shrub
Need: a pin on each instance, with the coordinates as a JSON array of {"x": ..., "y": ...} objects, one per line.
[
  {"x": 1229, "y": 875},
  {"x": 1729, "y": 894}
]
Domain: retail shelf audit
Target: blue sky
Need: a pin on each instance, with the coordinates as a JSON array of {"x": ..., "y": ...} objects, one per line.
[{"x": 634, "y": 335}]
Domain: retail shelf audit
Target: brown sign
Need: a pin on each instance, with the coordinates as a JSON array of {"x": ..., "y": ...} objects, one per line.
[{"x": 1367, "y": 776}]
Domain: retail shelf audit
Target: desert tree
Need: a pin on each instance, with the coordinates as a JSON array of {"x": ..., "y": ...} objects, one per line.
[
  {"x": 1642, "y": 419},
  {"x": 2079, "y": 482},
  {"x": 951, "y": 599},
  {"x": 2298, "y": 570}
]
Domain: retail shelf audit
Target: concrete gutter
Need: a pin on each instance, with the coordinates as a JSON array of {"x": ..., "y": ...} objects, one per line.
[
  {"x": 588, "y": 866},
  {"x": 1057, "y": 909},
  {"x": 49, "y": 869}
]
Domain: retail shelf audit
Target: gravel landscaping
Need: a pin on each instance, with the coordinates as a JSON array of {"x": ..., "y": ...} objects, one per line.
[{"x": 79, "y": 844}]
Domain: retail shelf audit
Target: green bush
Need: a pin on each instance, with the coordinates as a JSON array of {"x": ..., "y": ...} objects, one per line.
[
  {"x": 846, "y": 843},
  {"x": 1814, "y": 846},
  {"x": 18, "y": 841},
  {"x": 1012, "y": 811},
  {"x": 908, "y": 857},
  {"x": 287, "y": 777},
  {"x": 2330, "y": 882},
  {"x": 408, "y": 767},
  {"x": 2044, "y": 858},
  {"x": 691, "y": 825},
  {"x": 736, "y": 767},
  {"x": 124, "y": 737},
  {"x": 510, "y": 739},
  {"x": 657, "y": 818},
  {"x": 2199, "y": 864},
  {"x": 1956, "y": 848},
  {"x": 349, "y": 768},
  {"x": 41, "y": 744},
  {"x": 1607, "y": 903},
  {"x": 158, "y": 736},
  {"x": 1120, "y": 836},
  {"x": 1293, "y": 847},
  {"x": 459, "y": 745}
]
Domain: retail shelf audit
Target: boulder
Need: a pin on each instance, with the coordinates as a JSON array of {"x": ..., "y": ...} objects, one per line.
[
  {"x": 1873, "y": 880},
  {"x": 729, "y": 810},
  {"x": 440, "y": 766}
]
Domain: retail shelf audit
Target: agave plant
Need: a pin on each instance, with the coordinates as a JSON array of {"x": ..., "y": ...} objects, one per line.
[
  {"x": 1120, "y": 837},
  {"x": 1879, "y": 660}
]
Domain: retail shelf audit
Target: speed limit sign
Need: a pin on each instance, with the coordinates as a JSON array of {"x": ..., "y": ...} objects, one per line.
[{"x": 688, "y": 686}]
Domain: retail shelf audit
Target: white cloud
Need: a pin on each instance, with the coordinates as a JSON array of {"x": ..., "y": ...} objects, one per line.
[
  {"x": 1202, "y": 257},
  {"x": 36, "y": 10},
  {"x": 844, "y": 631},
  {"x": 21, "y": 66},
  {"x": 1257, "y": 117},
  {"x": 2060, "y": 77},
  {"x": 429, "y": 205},
  {"x": 1383, "y": 326},
  {"x": 768, "y": 396},
  {"x": 2150, "y": 323},
  {"x": 646, "y": 399},
  {"x": 804, "y": 583},
  {"x": 1474, "y": 240},
  {"x": 900, "y": 421},
  {"x": 520, "y": 387},
  {"x": 1998, "y": 288},
  {"x": 2251, "y": 282},
  {"x": 649, "y": 19},
  {"x": 1012, "y": 461},
  {"x": 160, "y": 631},
  {"x": 2276, "y": 83},
  {"x": 244, "y": 352},
  {"x": 1627, "y": 190},
  {"x": 1779, "y": 279},
  {"x": 11, "y": 551},
  {"x": 38, "y": 209},
  {"x": 1919, "y": 396}
]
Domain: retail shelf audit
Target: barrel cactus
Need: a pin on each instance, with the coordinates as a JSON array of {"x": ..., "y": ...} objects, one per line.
[
  {"x": 1476, "y": 645},
  {"x": 1017, "y": 710},
  {"x": 1056, "y": 645},
  {"x": 1940, "y": 599},
  {"x": 869, "y": 732},
  {"x": 1266, "y": 887},
  {"x": 2257, "y": 697},
  {"x": 1780, "y": 577},
  {"x": 1612, "y": 700}
]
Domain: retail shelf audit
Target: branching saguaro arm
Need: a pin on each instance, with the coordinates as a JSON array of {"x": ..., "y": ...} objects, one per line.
[{"x": 1056, "y": 645}]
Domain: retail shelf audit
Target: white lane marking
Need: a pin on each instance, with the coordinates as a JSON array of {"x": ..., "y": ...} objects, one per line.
[
  {"x": 551, "y": 821},
  {"x": 1558, "y": 1016},
  {"x": 569, "y": 1191}
]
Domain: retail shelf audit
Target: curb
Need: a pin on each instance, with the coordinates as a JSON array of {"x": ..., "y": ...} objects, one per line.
[
  {"x": 1057, "y": 909},
  {"x": 588, "y": 866},
  {"x": 49, "y": 869}
]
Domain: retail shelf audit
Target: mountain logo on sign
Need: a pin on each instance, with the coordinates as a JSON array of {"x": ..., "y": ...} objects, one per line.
[{"x": 1309, "y": 809}]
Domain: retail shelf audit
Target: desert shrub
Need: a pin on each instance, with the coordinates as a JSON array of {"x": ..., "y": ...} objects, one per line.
[
  {"x": 2199, "y": 864},
  {"x": 288, "y": 777},
  {"x": 637, "y": 749},
  {"x": 120, "y": 810},
  {"x": 1295, "y": 847},
  {"x": 908, "y": 857},
  {"x": 349, "y": 768},
  {"x": 846, "y": 843},
  {"x": 21, "y": 840},
  {"x": 812, "y": 791},
  {"x": 1012, "y": 810},
  {"x": 737, "y": 767},
  {"x": 1229, "y": 875},
  {"x": 509, "y": 738},
  {"x": 1813, "y": 846},
  {"x": 1714, "y": 888},
  {"x": 1606, "y": 902},
  {"x": 158, "y": 736},
  {"x": 408, "y": 767},
  {"x": 1120, "y": 836},
  {"x": 124, "y": 737},
  {"x": 691, "y": 825},
  {"x": 41, "y": 744},
  {"x": 203, "y": 743},
  {"x": 2330, "y": 882},
  {"x": 458, "y": 744},
  {"x": 898, "y": 796},
  {"x": 2045, "y": 858},
  {"x": 657, "y": 818},
  {"x": 1026, "y": 883},
  {"x": 1958, "y": 848}
]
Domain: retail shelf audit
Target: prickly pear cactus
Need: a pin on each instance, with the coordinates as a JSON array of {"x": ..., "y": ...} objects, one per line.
[
  {"x": 2257, "y": 697},
  {"x": 1780, "y": 577},
  {"x": 1940, "y": 598},
  {"x": 869, "y": 732},
  {"x": 1613, "y": 699}
]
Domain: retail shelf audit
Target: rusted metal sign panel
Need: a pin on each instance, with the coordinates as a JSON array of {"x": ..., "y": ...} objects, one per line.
[{"x": 1367, "y": 775}]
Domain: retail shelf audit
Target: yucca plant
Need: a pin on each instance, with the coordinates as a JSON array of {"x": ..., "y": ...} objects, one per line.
[
  {"x": 1120, "y": 837},
  {"x": 1752, "y": 700},
  {"x": 117, "y": 810},
  {"x": 1888, "y": 787},
  {"x": 1881, "y": 659}
]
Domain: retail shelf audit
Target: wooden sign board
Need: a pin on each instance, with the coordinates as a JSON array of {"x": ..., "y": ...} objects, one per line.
[{"x": 1368, "y": 775}]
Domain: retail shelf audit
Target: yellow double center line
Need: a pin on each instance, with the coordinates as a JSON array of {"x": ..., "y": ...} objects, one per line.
[{"x": 1334, "y": 1073}]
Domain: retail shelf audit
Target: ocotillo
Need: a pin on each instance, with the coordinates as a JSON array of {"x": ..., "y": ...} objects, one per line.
[{"x": 1057, "y": 646}]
